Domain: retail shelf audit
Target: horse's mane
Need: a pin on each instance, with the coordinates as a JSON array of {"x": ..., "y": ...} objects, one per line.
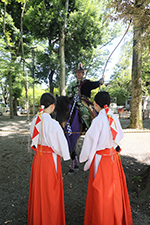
[{"x": 62, "y": 108}]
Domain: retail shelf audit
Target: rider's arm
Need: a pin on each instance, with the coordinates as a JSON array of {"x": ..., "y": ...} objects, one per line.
[
  {"x": 94, "y": 84},
  {"x": 88, "y": 86}
]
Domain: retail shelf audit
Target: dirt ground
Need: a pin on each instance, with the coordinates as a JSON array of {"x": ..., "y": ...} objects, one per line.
[{"x": 16, "y": 164}]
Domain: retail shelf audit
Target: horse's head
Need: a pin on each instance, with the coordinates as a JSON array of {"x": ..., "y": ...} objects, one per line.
[{"x": 62, "y": 109}]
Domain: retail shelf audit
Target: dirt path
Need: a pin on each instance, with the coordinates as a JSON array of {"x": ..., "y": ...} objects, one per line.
[{"x": 16, "y": 165}]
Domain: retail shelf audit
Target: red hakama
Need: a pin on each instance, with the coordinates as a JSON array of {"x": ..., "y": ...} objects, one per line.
[
  {"x": 46, "y": 199},
  {"x": 107, "y": 201}
]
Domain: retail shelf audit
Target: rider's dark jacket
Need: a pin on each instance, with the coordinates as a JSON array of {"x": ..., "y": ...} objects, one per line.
[
  {"x": 83, "y": 89},
  {"x": 84, "y": 85}
]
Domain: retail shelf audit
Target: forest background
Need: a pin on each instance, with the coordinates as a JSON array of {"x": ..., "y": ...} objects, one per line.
[{"x": 43, "y": 41}]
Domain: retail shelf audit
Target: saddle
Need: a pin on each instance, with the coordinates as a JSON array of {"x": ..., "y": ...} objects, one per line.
[{"x": 89, "y": 105}]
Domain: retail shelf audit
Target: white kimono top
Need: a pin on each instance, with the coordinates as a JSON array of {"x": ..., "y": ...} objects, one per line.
[
  {"x": 53, "y": 136},
  {"x": 99, "y": 137}
]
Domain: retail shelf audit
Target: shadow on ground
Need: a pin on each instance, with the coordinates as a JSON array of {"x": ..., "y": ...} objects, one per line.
[{"x": 15, "y": 177}]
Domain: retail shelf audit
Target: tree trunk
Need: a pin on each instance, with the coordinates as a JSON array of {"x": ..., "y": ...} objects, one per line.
[
  {"x": 62, "y": 63},
  {"x": 9, "y": 73},
  {"x": 4, "y": 92},
  {"x": 33, "y": 80},
  {"x": 136, "y": 102},
  {"x": 10, "y": 96},
  {"x": 23, "y": 57},
  {"x": 62, "y": 54},
  {"x": 15, "y": 106},
  {"x": 51, "y": 88},
  {"x": 27, "y": 98}
]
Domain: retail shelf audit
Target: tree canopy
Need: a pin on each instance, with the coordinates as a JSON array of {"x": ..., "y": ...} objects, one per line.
[
  {"x": 139, "y": 12},
  {"x": 26, "y": 25}
]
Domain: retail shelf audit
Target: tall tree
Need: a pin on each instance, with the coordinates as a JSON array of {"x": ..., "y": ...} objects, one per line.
[
  {"x": 83, "y": 28},
  {"x": 44, "y": 64},
  {"x": 11, "y": 27},
  {"x": 146, "y": 71},
  {"x": 138, "y": 11},
  {"x": 51, "y": 17},
  {"x": 4, "y": 59},
  {"x": 62, "y": 52},
  {"x": 9, "y": 46}
]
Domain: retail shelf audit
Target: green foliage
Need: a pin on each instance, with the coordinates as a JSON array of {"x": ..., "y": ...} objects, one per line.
[
  {"x": 38, "y": 93},
  {"x": 4, "y": 57},
  {"x": 7, "y": 65},
  {"x": 45, "y": 62},
  {"x": 17, "y": 80},
  {"x": 48, "y": 18},
  {"x": 138, "y": 178},
  {"x": 138, "y": 11},
  {"x": 84, "y": 31},
  {"x": 86, "y": 28},
  {"x": 120, "y": 85},
  {"x": 117, "y": 92},
  {"x": 93, "y": 93}
]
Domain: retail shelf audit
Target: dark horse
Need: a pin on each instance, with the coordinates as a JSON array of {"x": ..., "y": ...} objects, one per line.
[{"x": 68, "y": 115}]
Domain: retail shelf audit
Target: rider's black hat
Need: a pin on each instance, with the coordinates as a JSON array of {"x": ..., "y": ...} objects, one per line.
[{"x": 80, "y": 68}]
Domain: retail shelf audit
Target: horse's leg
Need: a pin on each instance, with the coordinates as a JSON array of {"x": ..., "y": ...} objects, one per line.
[
  {"x": 75, "y": 163},
  {"x": 72, "y": 140},
  {"x": 76, "y": 167}
]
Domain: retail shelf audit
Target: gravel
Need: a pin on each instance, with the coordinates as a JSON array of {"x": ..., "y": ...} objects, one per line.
[{"x": 16, "y": 164}]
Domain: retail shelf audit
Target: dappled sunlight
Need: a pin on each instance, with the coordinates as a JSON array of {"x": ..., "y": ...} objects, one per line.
[
  {"x": 16, "y": 163},
  {"x": 17, "y": 124},
  {"x": 6, "y": 134},
  {"x": 137, "y": 145}
]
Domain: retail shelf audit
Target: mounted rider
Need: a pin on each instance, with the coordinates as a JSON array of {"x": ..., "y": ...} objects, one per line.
[{"x": 82, "y": 87}]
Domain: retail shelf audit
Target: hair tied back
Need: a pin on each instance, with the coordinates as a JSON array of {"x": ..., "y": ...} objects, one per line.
[{"x": 42, "y": 106}]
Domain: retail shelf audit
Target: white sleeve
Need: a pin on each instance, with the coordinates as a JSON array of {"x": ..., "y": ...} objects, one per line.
[
  {"x": 86, "y": 148},
  {"x": 59, "y": 143},
  {"x": 90, "y": 142},
  {"x": 120, "y": 133}
]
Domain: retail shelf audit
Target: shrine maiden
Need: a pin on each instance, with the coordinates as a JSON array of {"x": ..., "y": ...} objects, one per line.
[
  {"x": 107, "y": 201},
  {"x": 46, "y": 198}
]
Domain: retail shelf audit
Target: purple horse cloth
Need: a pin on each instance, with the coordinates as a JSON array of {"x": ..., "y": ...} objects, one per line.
[{"x": 72, "y": 139}]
